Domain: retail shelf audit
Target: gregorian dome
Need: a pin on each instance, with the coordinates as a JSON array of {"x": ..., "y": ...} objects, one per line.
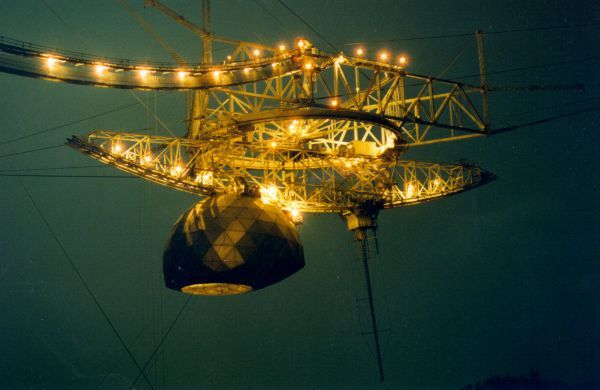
[{"x": 230, "y": 244}]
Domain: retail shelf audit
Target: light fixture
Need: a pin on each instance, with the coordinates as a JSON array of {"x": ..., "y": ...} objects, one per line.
[
  {"x": 51, "y": 62},
  {"x": 117, "y": 148},
  {"x": 143, "y": 73},
  {"x": 100, "y": 69}
]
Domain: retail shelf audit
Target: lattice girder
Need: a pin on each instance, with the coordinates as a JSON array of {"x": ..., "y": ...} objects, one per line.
[
  {"x": 425, "y": 109},
  {"x": 310, "y": 181}
]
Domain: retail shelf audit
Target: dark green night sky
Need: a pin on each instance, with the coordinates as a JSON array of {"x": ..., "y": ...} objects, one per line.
[{"x": 495, "y": 281}]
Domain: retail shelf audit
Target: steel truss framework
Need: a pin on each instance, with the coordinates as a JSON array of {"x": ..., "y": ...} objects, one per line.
[{"x": 312, "y": 131}]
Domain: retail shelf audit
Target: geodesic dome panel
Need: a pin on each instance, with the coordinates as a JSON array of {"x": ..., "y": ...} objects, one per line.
[{"x": 230, "y": 244}]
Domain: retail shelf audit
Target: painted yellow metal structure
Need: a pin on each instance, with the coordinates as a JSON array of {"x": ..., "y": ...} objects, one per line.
[
  {"x": 314, "y": 131},
  {"x": 308, "y": 130}
]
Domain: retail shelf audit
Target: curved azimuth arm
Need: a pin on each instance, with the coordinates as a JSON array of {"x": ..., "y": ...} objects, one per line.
[
  {"x": 423, "y": 109},
  {"x": 294, "y": 179}
]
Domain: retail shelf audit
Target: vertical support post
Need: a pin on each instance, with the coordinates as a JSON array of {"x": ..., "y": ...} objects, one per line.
[
  {"x": 207, "y": 40},
  {"x": 200, "y": 98},
  {"x": 365, "y": 255},
  {"x": 363, "y": 223},
  {"x": 483, "y": 79}
]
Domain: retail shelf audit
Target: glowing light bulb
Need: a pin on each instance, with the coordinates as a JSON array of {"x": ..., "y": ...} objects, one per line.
[
  {"x": 282, "y": 47},
  {"x": 117, "y": 148},
  {"x": 51, "y": 62},
  {"x": 100, "y": 69},
  {"x": 268, "y": 194},
  {"x": 308, "y": 65},
  {"x": 293, "y": 126},
  {"x": 410, "y": 190},
  {"x": 228, "y": 58},
  {"x": 143, "y": 73},
  {"x": 274, "y": 64},
  {"x": 147, "y": 159},
  {"x": 216, "y": 73},
  {"x": 205, "y": 178},
  {"x": 334, "y": 103},
  {"x": 177, "y": 170},
  {"x": 340, "y": 59},
  {"x": 301, "y": 43},
  {"x": 256, "y": 52},
  {"x": 402, "y": 60},
  {"x": 182, "y": 74},
  {"x": 360, "y": 52},
  {"x": 384, "y": 56},
  {"x": 246, "y": 70},
  {"x": 273, "y": 144}
]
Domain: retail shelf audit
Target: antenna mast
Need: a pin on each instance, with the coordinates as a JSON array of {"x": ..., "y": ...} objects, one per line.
[
  {"x": 200, "y": 99},
  {"x": 363, "y": 222}
]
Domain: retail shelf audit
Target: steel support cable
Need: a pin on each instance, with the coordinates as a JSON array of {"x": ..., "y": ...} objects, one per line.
[
  {"x": 64, "y": 23},
  {"x": 68, "y": 176},
  {"x": 581, "y": 60},
  {"x": 365, "y": 261},
  {"x": 52, "y": 168},
  {"x": 78, "y": 36},
  {"x": 267, "y": 11},
  {"x": 31, "y": 150},
  {"x": 320, "y": 35},
  {"x": 158, "y": 347},
  {"x": 116, "y": 364},
  {"x": 497, "y": 131},
  {"x": 554, "y": 106},
  {"x": 309, "y": 26},
  {"x": 151, "y": 112},
  {"x": 82, "y": 280},
  {"x": 77, "y": 121},
  {"x": 451, "y": 64},
  {"x": 364, "y": 245},
  {"x": 153, "y": 33},
  {"x": 509, "y": 70},
  {"x": 543, "y": 120},
  {"x": 459, "y": 35},
  {"x": 255, "y": 32}
]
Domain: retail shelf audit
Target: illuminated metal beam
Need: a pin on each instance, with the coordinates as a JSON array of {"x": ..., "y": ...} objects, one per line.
[
  {"x": 115, "y": 73},
  {"x": 309, "y": 181},
  {"x": 415, "y": 104},
  {"x": 199, "y": 31}
]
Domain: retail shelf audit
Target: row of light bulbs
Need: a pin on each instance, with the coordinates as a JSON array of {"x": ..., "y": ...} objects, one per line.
[
  {"x": 269, "y": 194},
  {"x": 100, "y": 69}
]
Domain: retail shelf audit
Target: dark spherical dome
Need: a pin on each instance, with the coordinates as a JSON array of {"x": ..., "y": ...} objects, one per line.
[{"x": 229, "y": 244}]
